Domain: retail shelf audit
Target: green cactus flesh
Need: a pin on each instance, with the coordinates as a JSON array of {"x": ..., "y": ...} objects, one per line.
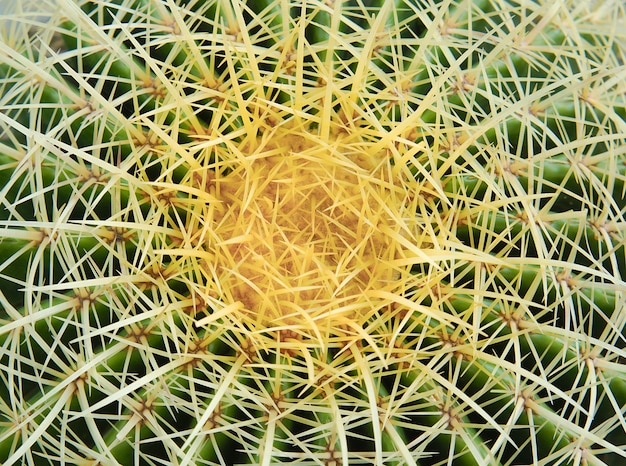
[{"x": 313, "y": 233}]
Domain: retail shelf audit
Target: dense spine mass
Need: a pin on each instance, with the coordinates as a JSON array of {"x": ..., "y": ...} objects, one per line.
[{"x": 317, "y": 232}]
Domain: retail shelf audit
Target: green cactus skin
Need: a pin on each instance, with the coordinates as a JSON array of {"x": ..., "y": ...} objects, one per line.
[{"x": 481, "y": 320}]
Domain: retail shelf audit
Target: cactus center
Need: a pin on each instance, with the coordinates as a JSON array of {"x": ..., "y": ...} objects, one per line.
[{"x": 305, "y": 232}]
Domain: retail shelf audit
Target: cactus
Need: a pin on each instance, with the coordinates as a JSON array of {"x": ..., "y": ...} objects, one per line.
[{"x": 318, "y": 232}]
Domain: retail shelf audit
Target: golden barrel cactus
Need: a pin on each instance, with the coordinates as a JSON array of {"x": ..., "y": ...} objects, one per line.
[{"x": 313, "y": 232}]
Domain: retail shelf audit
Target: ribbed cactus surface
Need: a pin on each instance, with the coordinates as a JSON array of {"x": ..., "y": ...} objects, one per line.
[{"x": 313, "y": 232}]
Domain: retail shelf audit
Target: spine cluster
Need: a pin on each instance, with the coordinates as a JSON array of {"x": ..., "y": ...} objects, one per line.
[{"x": 318, "y": 232}]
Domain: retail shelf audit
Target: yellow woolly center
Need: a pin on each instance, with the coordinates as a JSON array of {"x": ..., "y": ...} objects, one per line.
[{"x": 304, "y": 233}]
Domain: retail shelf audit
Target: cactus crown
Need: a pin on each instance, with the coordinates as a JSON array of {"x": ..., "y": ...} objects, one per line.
[{"x": 319, "y": 232}]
